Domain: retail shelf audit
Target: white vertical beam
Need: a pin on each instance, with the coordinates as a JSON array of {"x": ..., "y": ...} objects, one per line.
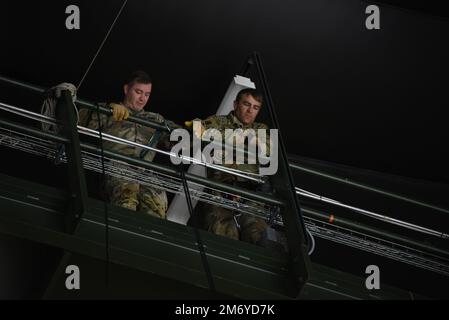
[{"x": 178, "y": 210}]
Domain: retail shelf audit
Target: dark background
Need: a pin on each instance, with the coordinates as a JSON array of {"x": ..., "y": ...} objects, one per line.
[{"x": 371, "y": 99}]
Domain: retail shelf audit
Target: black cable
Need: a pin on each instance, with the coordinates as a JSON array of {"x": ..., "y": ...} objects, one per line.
[
  {"x": 282, "y": 151},
  {"x": 206, "y": 267},
  {"x": 246, "y": 66},
  {"x": 103, "y": 184}
]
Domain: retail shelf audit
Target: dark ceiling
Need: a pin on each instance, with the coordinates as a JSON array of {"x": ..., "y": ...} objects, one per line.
[
  {"x": 436, "y": 8},
  {"x": 373, "y": 99}
]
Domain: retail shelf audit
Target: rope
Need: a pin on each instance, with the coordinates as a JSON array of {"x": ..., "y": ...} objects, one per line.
[
  {"x": 199, "y": 241},
  {"x": 101, "y": 137},
  {"x": 102, "y": 44}
]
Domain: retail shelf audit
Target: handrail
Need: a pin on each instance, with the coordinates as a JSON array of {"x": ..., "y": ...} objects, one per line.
[
  {"x": 90, "y": 105},
  {"x": 160, "y": 168},
  {"x": 365, "y": 187},
  {"x": 294, "y": 166}
]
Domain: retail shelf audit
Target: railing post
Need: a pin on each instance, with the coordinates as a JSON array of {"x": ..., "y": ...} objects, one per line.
[
  {"x": 65, "y": 113},
  {"x": 283, "y": 182}
]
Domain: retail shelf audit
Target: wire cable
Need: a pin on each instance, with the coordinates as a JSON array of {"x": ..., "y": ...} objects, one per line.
[
  {"x": 312, "y": 242},
  {"x": 101, "y": 45},
  {"x": 199, "y": 241}
]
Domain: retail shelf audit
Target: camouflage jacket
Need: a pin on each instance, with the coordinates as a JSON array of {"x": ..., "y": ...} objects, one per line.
[
  {"x": 221, "y": 123},
  {"x": 127, "y": 130}
]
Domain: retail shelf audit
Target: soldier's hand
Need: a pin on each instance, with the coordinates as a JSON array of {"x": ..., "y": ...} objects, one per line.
[{"x": 119, "y": 112}]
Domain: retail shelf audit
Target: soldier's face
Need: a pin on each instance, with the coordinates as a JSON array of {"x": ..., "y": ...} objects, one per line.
[
  {"x": 137, "y": 95},
  {"x": 246, "y": 109}
]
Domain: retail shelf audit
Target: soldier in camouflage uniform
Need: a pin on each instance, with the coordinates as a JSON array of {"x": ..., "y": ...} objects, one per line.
[
  {"x": 126, "y": 193},
  {"x": 220, "y": 220}
]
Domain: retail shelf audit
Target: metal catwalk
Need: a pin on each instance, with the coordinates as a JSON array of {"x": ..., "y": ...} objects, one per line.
[{"x": 318, "y": 225}]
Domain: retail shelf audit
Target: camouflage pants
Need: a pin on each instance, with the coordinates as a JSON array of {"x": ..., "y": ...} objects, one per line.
[
  {"x": 226, "y": 223},
  {"x": 137, "y": 197}
]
